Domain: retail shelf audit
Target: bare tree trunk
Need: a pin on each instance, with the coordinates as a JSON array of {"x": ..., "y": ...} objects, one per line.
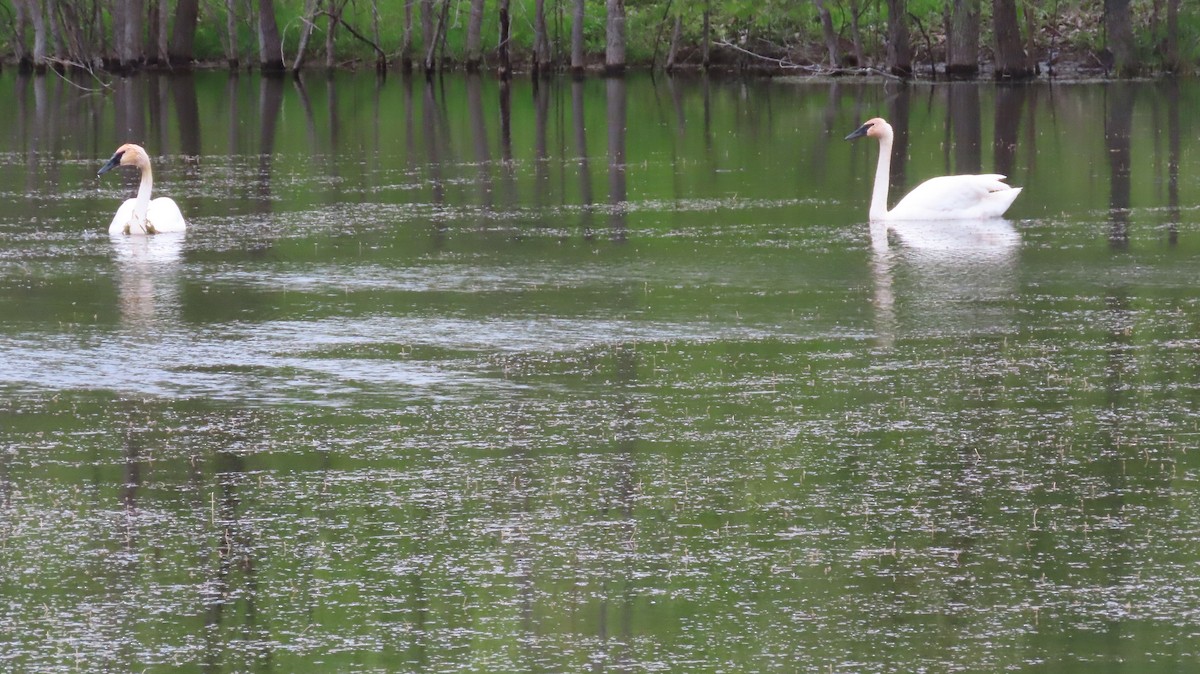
[
  {"x": 1011, "y": 61},
  {"x": 380, "y": 58},
  {"x": 541, "y": 40},
  {"x": 150, "y": 55},
  {"x": 1031, "y": 61},
  {"x": 55, "y": 43},
  {"x": 1171, "y": 47},
  {"x": 162, "y": 31},
  {"x": 59, "y": 44},
  {"x": 99, "y": 35},
  {"x": 270, "y": 48},
  {"x": 831, "y": 44},
  {"x": 577, "y": 57},
  {"x": 83, "y": 24},
  {"x": 21, "y": 47},
  {"x": 556, "y": 53},
  {"x": 135, "y": 33},
  {"x": 676, "y": 32},
  {"x": 431, "y": 60},
  {"x": 68, "y": 33},
  {"x": 182, "y": 50},
  {"x": 333, "y": 13},
  {"x": 475, "y": 36},
  {"x": 118, "y": 35},
  {"x": 658, "y": 34},
  {"x": 442, "y": 30},
  {"x": 129, "y": 31},
  {"x": 706, "y": 40},
  {"x": 37, "y": 15},
  {"x": 1118, "y": 25},
  {"x": 856, "y": 35},
  {"x": 427, "y": 26},
  {"x": 505, "y": 68},
  {"x": 614, "y": 37},
  {"x": 962, "y": 42},
  {"x": 308, "y": 22},
  {"x": 406, "y": 48},
  {"x": 381, "y": 55},
  {"x": 899, "y": 51},
  {"x": 231, "y": 46}
]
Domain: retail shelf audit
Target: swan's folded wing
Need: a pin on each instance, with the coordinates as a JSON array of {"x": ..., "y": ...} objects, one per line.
[
  {"x": 165, "y": 216},
  {"x": 123, "y": 218},
  {"x": 950, "y": 196}
]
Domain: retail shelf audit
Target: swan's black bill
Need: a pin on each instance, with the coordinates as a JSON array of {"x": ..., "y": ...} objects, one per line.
[
  {"x": 112, "y": 164},
  {"x": 859, "y": 132}
]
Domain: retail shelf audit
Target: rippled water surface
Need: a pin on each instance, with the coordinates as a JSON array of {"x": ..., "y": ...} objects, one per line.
[{"x": 598, "y": 376}]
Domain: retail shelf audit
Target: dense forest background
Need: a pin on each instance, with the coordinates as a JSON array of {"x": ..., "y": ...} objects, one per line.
[{"x": 1005, "y": 39}]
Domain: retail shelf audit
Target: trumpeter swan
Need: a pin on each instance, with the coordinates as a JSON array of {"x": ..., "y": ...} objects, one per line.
[
  {"x": 964, "y": 197},
  {"x": 142, "y": 215}
]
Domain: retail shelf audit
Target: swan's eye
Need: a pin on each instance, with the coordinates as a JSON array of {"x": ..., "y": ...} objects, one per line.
[{"x": 117, "y": 157}]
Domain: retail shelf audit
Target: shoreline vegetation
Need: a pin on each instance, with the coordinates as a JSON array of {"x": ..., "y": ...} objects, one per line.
[{"x": 926, "y": 39}]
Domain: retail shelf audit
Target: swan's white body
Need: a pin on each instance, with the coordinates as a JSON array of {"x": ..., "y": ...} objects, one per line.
[
  {"x": 141, "y": 214},
  {"x": 962, "y": 197},
  {"x": 161, "y": 215}
]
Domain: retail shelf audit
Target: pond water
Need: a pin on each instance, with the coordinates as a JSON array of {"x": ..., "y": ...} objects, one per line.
[{"x": 608, "y": 375}]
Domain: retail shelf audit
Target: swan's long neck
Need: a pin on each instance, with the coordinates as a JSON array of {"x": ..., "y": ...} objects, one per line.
[
  {"x": 142, "y": 205},
  {"x": 883, "y": 174}
]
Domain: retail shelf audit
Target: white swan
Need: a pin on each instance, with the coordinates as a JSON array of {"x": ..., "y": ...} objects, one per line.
[
  {"x": 964, "y": 197},
  {"x": 142, "y": 215}
]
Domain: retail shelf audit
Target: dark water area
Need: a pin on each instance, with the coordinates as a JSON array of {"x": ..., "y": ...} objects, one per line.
[{"x": 602, "y": 375}]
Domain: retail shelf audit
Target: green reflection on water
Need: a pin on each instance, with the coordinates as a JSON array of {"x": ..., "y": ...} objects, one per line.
[{"x": 621, "y": 380}]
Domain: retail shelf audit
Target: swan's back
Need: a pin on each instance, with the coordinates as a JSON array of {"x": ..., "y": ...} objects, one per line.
[
  {"x": 163, "y": 215},
  {"x": 960, "y": 197}
]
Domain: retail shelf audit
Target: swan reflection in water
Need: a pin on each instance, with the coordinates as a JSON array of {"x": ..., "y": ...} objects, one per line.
[
  {"x": 147, "y": 278},
  {"x": 943, "y": 276}
]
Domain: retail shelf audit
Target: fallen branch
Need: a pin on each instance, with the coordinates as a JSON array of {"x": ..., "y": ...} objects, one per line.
[
  {"x": 814, "y": 69},
  {"x": 77, "y": 65}
]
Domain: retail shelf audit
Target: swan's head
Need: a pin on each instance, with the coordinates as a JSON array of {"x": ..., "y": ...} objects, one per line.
[
  {"x": 876, "y": 128},
  {"x": 126, "y": 155}
]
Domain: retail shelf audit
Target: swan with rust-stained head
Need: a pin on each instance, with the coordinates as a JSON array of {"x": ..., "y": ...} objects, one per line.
[
  {"x": 963, "y": 197},
  {"x": 141, "y": 214}
]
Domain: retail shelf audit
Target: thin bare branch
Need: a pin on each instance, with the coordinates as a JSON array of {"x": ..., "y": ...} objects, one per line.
[{"x": 353, "y": 32}]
